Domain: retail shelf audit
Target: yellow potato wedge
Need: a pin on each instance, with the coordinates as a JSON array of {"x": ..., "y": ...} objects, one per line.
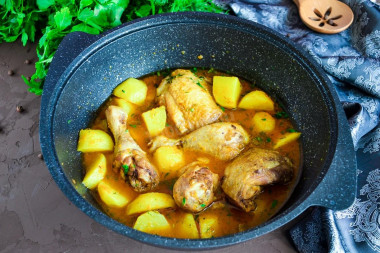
[
  {"x": 257, "y": 100},
  {"x": 186, "y": 227},
  {"x": 150, "y": 201},
  {"x": 155, "y": 120},
  {"x": 226, "y": 90},
  {"x": 263, "y": 122},
  {"x": 169, "y": 160},
  {"x": 286, "y": 139},
  {"x": 94, "y": 140},
  {"x": 95, "y": 172},
  {"x": 208, "y": 225},
  {"x": 152, "y": 222},
  {"x": 112, "y": 196},
  {"x": 128, "y": 107},
  {"x": 132, "y": 90}
]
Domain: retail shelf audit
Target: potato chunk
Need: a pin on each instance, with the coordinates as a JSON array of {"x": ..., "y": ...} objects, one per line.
[
  {"x": 186, "y": 227},
  {"x": 152, "y": 222},
  {"x": 150, "y": 201},
  {"x": 128, "y": 107},
  {"x": 112, "y": 196},
  {"x": 263, "y": 122},
  {"x": 286, "y": 139},
  {"x": 95, "y": 172},
  {"x": 91, "y": 140},
  {"x": 132, "y": 90},
  {"x": 226, "y": 90},
  {"x": 257, "y": 100},
  {"x": 155, "y": 120},
  {"x": 208, "y": 225},
  {"x": 169, "y": 160}
]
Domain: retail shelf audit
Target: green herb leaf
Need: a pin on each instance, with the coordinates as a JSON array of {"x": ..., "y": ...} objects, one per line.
[
  {"x": 200, "y": 85},
  {"x": 85, "y": 3},
  {"x": 281, "y": 115},
  {"x": 24, "y": 38},
  {"x": 274, "y": 203},
  {"x": 44, "y": 4},
  {"x": 63, "y": 18},
  {"x": 126, "y": 169},
  {"x": 291, "y": 130},
  {"x": 183, "y": 201},
  {"x": 221, "y": 107},
  {"x": 203, "y": 205}
]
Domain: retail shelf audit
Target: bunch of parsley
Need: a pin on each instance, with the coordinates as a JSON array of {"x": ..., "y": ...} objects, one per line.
[{"x": 53, "y": 19}]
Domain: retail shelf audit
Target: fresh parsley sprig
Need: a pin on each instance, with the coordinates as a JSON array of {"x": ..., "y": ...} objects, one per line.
[{"x": 54, "y": 19}]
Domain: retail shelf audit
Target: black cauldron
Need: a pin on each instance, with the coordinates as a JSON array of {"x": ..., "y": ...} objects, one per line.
[{"x": 87, "y": 68}]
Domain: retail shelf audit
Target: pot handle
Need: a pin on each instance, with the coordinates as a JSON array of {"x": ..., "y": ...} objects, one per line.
[
  {"x": 338, "y": 187},
  {"x": 70, "y": 47}
]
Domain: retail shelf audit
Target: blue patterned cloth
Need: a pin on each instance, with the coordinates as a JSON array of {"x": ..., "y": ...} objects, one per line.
[{"x": 352, "y": 61}]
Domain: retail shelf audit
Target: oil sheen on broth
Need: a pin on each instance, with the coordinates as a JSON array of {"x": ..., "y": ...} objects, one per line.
[{"x": 231, "y": 218}]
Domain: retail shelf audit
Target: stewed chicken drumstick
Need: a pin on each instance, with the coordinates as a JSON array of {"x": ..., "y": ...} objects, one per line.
[
  {"x": 187, "y": 100},
  {"x": 129, "y": 158},
  {"x": 194, "y": 189},
  {"x": 245, "y": 176},
  {"x": 223, "y": 140}
]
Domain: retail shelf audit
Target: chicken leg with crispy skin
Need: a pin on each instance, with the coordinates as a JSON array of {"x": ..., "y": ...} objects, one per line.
[
  {"x": 245, "y": 176},
  {"x": 223, "y": 140},
  {"x": 187, "y": 100},
  {"x": 128, "y": 156},
  {"x": 194, "y": 189}
]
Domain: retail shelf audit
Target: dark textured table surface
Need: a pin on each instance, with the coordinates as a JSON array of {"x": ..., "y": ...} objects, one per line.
[{"x": 35, "y": 216}]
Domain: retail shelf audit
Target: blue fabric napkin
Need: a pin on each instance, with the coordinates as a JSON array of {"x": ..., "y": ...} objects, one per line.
[{"x": 352, "y": 61}]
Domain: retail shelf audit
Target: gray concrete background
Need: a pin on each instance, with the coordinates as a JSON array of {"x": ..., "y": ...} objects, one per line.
[{"x": 35, "y": 216}]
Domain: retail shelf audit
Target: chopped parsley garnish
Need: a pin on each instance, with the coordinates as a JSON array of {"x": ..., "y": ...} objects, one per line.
[
  {"x": 269, "y": 139},
  {"x": 259, "y": 138},
  {"x": 291, "y": 130},
  {"x": 212, "y": 70},
  {"x": 123, "y": 91},
  {"x": 274, "y": 203},
  {"x": 133, "y": 125},
  {"x": 167, "y": 124},
  {"x": 264, "y": 119},
  {"x": 167, "y": 173},
  {"x": 69, "y": 121},
  {"x": 223, "y": 109},
  {"x": 126, "y": 169},
  {"x": 200, "y": 85},
  {"x": 183, "y": 201},
  {"x": 126, "y": 130},
  {"x": 203, "y": 205},
  {"x": 281, "y": 115},
  {"x": 194, "y": 70},
  {"x": 191, "y": 109}
]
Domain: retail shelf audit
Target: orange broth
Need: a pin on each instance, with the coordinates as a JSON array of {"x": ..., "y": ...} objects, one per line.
[{"x": 231, "y": 219}]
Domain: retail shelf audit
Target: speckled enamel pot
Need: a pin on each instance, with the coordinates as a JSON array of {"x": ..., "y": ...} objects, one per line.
[{"x": 87, "y": 68}]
